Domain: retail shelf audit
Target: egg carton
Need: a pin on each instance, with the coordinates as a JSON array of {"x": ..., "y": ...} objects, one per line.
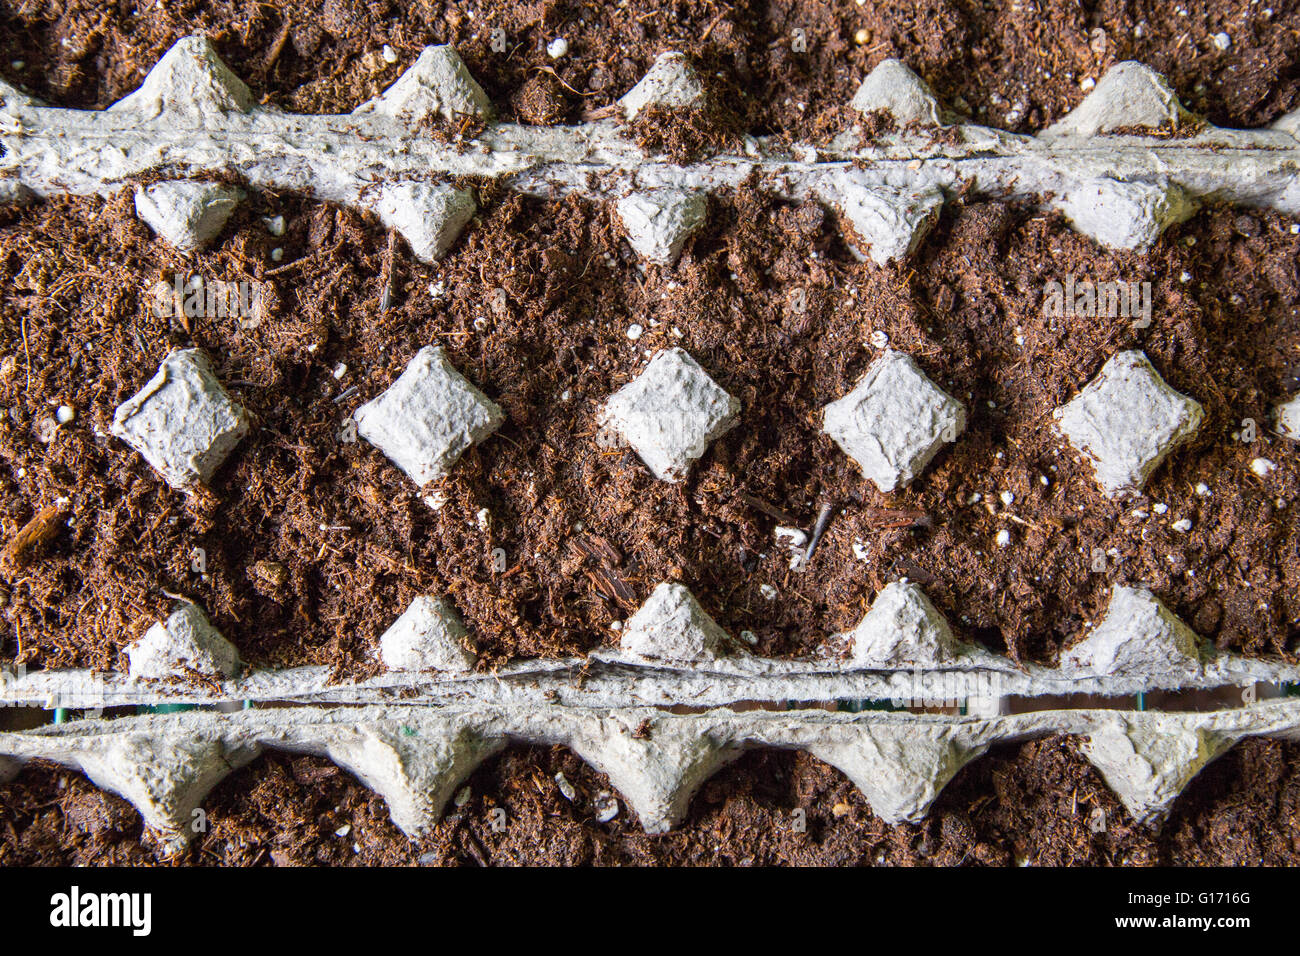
[
  {"x": 416, "y": 757},
  {"x": 672, "y": 652},
  {"x": 1129, "y": 161},
  {"x": 1123, "y": 166}
]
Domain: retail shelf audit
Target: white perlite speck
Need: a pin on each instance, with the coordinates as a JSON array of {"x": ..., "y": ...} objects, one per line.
[
  {"x": 1139, "y": 635},
  {"x": 606, "y": 807},
  {"x": 903, "y": 629},
  {"x": 659, "y": 222},
  {"x": 894, "y": 421},
  {"x": 894, "y": 88},
  {"x": 566, "y": 789},
  {"x": 437, "y": 83},
  {"x": 671, "y": 83},
  {"x": 182, "y": 421},
  {"x": 1286, "y": 417},
  {"x": 183, "y": 645},
  {"x": 670, "y": 413},
  {"x": 429, "y": 216},
  {"x": 1122, "y": 215},
  {"x": 428, "y": 636},
  {"x": 428, "y": 417},
  {"x": 672, "y": 626},
  {"x": 1130, "y": 96},
  {"x": 186, "y": 215},
  {"x": 1126, "y": 421},
  {"x": 790, "y": 537}
]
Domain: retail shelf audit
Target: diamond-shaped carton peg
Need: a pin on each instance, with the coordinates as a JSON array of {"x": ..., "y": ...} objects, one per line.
[
  {"x": 670, "y": 413},
  {"x": 903, "y": 629},
  {"x": 885, "y": 224},
  {"x": 671, "y": 626},
  {"x": 12, "y": 191},
  {"x": 896, "y": 90},
  {"x": 191, "y": 83},
  {"x": 1130, "y": 96},
  {"x": 1286, "y": 417},
  {"x": 429, "y": 216},
  {"x": 184, "y": 645},
  {"x": 1126, "y": 421},
  {"x": 659, "y": 222},
  {"x": 671, "y": 83},
  {"x": 186, "y": 215},
  {"x": 428, "y": 417},
  {"x": 13, "y": 98},
  {"x": 436, "y": 84},
  {"x": 1148, "y": 758},
  {"x": 428, "y": 636},
  {"x": 1287, "y": 123},
  {"x": 894, "y": 421},
  {"x": 1122, "y": 215},
  {"x": 1138, "y": 635},
  {"x": 182, "y": 421}
]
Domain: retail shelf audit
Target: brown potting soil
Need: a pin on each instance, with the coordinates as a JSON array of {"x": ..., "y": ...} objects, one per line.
[
  {"x": 779, "y": 67},
  {"x": 1038, "y": 803},
  {"x": 313, "y": 545}
]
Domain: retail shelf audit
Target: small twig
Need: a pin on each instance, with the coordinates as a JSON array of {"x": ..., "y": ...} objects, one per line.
[
  {"x": 895, "y": 517},
  {"x": 24, "y": 546},
  {"x": 278, "y": 46},
  {"x": 27, "y": 350},
  {"x": 475, "y": 848},
  {"x": 823, "y": 519},
  {"x": 601, "y": 112},
  {"x": 286, "y": 267},
  {"x": 1027, "y": 524},
  {"x": 772, "y": 511},
  {"x": 560, "y": 80},
  {"x": 386, "y": 295},
  {"x": 712, "y": 23}
]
